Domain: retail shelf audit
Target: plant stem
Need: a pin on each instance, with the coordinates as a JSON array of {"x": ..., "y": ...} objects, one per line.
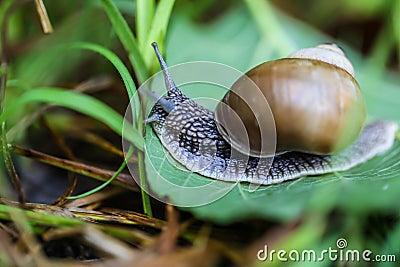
[{"x": 143, "y": 185}]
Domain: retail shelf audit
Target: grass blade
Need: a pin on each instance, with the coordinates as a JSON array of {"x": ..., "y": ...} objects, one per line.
[
  {"x": 3, "y": 84},
  {"x": 4, "y": 7},
  {"x": 109, "y": 181},
  {"x": 127, "y": 39},
  {"x": 122, "y": 70},
  {"x": 158, "y": 28},
  {"x": 144, "y": 187},
  {"x": 10, "y": 167},
  {"x": 157, "y": 32},
  {"x": 144, "y": 18},
  {"x": 79, "y": 102},
  {"x": 396, "y": 26},
  {"x": 114, "y": 59}
]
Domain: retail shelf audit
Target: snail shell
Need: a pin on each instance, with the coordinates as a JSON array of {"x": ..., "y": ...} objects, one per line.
[
  {"x": 316, "y": 103},
  {"x": 193, "y": 137}
]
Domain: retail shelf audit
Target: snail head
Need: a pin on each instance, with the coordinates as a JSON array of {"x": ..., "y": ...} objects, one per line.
[{"x": 164, "y": 104}]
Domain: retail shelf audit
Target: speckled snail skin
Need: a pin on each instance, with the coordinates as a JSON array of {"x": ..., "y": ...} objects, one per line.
[{"x": 319, "y": 133}]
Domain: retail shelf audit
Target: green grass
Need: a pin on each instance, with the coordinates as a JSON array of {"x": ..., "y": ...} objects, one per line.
[{"x": 76, "y": 101}]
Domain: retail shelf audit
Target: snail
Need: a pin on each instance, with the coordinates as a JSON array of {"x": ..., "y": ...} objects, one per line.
[{"x": 318, "y": 113}]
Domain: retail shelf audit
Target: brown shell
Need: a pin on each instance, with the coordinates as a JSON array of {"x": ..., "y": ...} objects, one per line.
[{"x": 317, "y": 107}]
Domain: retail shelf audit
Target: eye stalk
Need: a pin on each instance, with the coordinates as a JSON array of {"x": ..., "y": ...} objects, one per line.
[
  {"x": 169, "y": 82},
  {"x": 168, "y": 106}
]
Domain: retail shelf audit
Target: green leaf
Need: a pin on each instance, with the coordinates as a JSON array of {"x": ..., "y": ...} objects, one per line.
[
  {"x": 371, "y": 186},
  {"x": 79, "y": 102}
]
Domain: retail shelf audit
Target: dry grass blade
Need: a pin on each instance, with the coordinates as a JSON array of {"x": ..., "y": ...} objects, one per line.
[
  {"x": 116, "y": 253},
  {"x": 60, "y": 141},
  {"x": 131, "y": 216},
  {"x": 121, "y": 217},
  {"x": 103, "y": 244},
  {"x": 169, "y": 236},
  {"x": 93, "y": 198},
  {"x": 100, "y": 142},
  {"x": 71, "y": 220},
  {"x": 36, "y": 207},
  {"x": 198, "y": 256},
  {"x": 8, "y": 253},
  {"x": 44, "y": 18},
  {"x": 13, "y": 255},
  {"x": 73, "y": 177},
  {"x": 95, "y": 84},
  {"x": 123, "y": 180},
  {"x": 107, "y": 244},
  {"x": 10, "y": 167},
  {"x": 135, "y": 236}
]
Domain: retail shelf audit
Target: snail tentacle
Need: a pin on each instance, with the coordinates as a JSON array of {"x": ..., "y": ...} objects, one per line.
[
  {"x": 168, "y": 106},
  {"x": 169, "y": 82}
]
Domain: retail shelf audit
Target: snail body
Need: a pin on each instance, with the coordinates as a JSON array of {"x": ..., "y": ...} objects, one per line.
[{"x": 317, "y": 108}]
